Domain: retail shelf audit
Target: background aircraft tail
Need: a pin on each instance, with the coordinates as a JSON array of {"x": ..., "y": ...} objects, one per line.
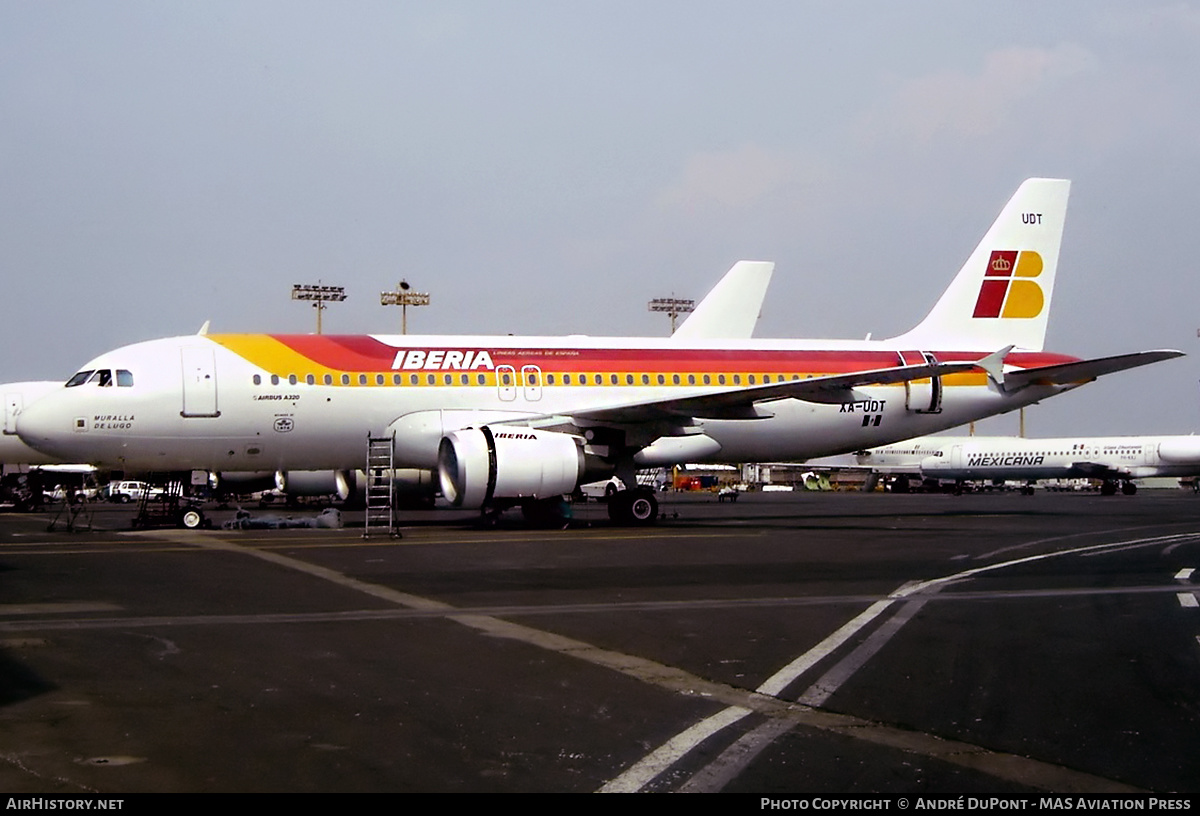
[
  {"x": 730, "y": 311},
  {"x": 1002, "y": 294}
]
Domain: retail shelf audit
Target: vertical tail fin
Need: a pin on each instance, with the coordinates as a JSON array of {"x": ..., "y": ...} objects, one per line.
[
  {"x": 730, "y": 310},
  {"x": 1002, "y": 294}
]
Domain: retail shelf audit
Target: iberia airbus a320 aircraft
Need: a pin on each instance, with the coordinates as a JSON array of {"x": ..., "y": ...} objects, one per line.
[{"x": 515, "y": 420}]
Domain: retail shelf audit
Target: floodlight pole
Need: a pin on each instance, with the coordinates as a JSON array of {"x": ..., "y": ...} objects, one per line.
[
  {"x": 672, "y": 306},
  {"x": 403, "y": 296},
  {"x": 319, "y": 295}
]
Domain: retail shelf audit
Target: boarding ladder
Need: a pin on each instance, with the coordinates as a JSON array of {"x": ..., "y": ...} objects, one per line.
[{"x": 381, "y": 511}]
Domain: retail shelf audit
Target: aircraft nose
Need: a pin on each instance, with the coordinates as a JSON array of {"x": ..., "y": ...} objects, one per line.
[
  {"x": 44, "y": 426},
  {"x": 932, "y": 464}
]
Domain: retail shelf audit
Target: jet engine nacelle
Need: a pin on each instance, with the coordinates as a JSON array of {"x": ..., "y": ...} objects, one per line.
[
  {"x": 1181, "y": 450},
  {"x": 412, "y": 488},
  {"x": 315, "y": 483},
  {"x": 243, "y": 481},
  {"x": 417, "y": 435},
  {"x": 479, "y": 465}
]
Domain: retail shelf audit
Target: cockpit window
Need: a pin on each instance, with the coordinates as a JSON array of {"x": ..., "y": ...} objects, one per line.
[{"x": 102, "y": 377}]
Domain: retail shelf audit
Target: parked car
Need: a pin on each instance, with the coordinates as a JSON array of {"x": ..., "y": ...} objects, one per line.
[
  {"x": 60, "y": 493},
  {"x": 127, "y": 491}
]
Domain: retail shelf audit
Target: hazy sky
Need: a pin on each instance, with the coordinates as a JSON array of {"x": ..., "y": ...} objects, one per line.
[{"x": 548, "y": 167}]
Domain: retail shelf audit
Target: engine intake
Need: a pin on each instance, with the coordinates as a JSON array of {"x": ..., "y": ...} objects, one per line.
[{"x": 479, "y": 465}]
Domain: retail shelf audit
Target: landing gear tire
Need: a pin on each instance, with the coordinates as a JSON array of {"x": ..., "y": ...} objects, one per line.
[
  {"x": 637, "y": 508},
  {"x": 1108, "y": 489},
  {"x": 191, "y": 519},
  {"x": 1128, "y": 488}
]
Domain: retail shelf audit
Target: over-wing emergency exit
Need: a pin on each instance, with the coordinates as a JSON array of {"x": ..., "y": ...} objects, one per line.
[{"x": 517, "y": 420}]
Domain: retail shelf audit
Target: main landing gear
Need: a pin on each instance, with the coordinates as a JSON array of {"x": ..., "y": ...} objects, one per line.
[
  {"x": 1109, "y": 488},
  {"x": 637, "y": 507}
]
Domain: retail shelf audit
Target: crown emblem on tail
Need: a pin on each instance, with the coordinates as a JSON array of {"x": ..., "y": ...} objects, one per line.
[{"x": 1008, "y": 289}]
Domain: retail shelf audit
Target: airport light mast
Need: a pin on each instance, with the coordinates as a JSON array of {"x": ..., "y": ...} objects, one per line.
[
  {"x": 403, "y": 296},
  {"x": 319, "y": 295},
  {"x": 672, "y": 306}
]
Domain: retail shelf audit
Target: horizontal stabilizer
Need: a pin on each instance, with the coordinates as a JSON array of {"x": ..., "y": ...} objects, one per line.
[{"x": 1084, "y": 370}]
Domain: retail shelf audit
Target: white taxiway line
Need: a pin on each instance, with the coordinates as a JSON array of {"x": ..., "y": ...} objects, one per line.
[
  {"x": 781, "y": 679},
  {"x": 666, "y": 755},
  {"x": 713, "y": 777},
  {"x": 656, "y": 762}
]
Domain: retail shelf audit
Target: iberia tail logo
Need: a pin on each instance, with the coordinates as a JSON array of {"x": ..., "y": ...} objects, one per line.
[{"x": 1008, "y": 288}]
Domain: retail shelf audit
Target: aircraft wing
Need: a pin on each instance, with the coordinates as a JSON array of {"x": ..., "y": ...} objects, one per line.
[
  {"x": 1083, "y": 370},
  {"x": 741, "y": 403}
]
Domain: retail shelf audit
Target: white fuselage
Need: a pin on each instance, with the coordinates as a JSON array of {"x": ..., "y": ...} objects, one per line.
[{"x": 255, "y": 402}]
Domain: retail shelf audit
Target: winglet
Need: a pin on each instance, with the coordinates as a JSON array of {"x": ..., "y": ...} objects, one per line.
[{"x": 204, "y": 329}]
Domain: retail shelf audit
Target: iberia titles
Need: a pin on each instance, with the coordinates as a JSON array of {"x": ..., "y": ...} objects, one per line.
[{"x": 442, "y": 360}]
